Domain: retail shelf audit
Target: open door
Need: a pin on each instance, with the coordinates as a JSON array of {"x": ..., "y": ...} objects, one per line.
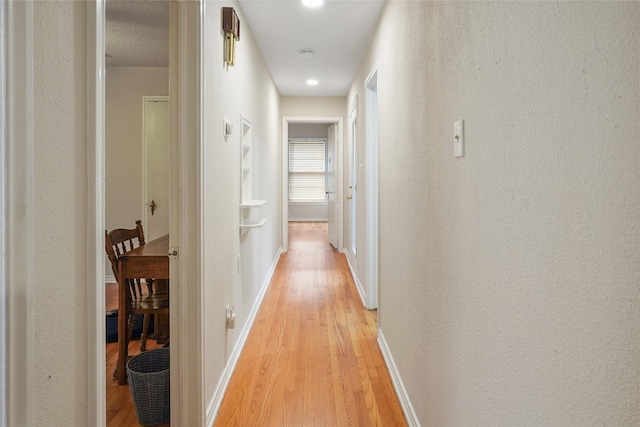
[
  {"x": 332, "y": 136},
  {"x": 156, "y": 166}
]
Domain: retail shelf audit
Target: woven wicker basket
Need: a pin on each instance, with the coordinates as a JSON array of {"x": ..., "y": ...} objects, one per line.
[{"x": 148, "y": 375}]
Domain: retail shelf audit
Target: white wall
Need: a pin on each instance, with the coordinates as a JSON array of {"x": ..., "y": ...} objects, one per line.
[
  {"x": 47, "y": 221},
  {"x": 509, "y": 277},
  {"x": 124, "y": 89},
  {"x": 248, "y": 89},
  {"x": 312, "y": 106}
]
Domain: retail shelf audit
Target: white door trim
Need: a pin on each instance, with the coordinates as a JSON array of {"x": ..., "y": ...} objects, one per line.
[
  {"x": 285, "y": 172},
  {"x": 372, "y": 153},
  {"x": 3, "y": 206},
  {"x": 186, "y": 220},
  {"x": 96, "y": 402}
]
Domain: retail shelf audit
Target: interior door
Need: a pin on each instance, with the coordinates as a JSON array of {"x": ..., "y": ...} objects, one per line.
[
  {"x": 353, "y": 187},
  {"x": 331, "y": 184},
  {"x": 156, "y": 166}
]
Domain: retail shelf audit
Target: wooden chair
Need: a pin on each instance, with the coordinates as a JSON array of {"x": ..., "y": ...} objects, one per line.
[{"x": 148, "y": 303}]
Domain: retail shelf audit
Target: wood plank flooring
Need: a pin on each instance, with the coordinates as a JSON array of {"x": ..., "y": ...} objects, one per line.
[
  {"x": 120, "y": 410},
  {"x": 311, "y": 358}
]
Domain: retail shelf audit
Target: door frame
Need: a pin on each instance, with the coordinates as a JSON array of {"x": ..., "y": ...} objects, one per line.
[
  {"x": 186, "y": 50},
  {"x": 96, "y": 68},
  {"x": 285, "y": 172},
  {"x": 333, "y": 236},
  {"x": 3, "y": 207},
  {"x": 372, "y": 134}
]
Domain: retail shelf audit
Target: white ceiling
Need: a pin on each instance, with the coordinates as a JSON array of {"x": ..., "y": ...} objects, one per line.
[
  {"x": 137, "y": 33},
  {"x": 338, "y": 31}
]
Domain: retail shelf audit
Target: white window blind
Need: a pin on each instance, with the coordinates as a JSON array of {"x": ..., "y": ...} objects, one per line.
[{"x": 306, "y": 170}]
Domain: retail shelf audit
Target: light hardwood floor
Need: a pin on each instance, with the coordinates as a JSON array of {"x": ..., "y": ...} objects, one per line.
[{"x": 311, "y": 358}]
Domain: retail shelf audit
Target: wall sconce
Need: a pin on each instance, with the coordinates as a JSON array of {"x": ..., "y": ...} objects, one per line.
[{"x": 231, "y": 29}]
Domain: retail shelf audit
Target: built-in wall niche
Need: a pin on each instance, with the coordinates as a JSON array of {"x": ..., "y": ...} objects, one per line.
[{"x": 248, "y": 205}]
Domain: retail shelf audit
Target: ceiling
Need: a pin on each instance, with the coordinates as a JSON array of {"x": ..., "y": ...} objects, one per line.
[
  {"x": 338, "y": 33},
  {"x": 137, "y": 33}
]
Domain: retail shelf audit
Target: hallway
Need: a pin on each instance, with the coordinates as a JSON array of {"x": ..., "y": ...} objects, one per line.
[{"x": 311, "y": 357}]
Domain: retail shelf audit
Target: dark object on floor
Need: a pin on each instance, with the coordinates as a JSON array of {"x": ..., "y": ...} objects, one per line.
[
  {"x": 112, "y": 326},
  {"x": 148, "y": 375}
]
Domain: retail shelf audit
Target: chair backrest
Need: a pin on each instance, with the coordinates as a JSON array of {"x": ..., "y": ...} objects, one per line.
[{"x": 122, "y": 240}]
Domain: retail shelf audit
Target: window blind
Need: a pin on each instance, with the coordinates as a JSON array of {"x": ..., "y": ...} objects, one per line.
[{"x": 306, "y": 170}]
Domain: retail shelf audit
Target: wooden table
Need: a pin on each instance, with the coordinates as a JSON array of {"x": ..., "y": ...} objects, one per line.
[{"x": 150, "y": 260}]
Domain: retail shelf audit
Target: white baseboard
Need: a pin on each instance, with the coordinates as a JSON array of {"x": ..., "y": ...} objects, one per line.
[
  {"x": 218, "y": 395},
  {"x": 309, "y": 219},
  {"x": 398, "y": 385},
  {"x": 355, "y": 279},
  {"x": 110, "y": 278}
]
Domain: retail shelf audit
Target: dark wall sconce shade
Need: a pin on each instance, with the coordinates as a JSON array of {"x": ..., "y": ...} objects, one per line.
[{"x": 231, "y": 29}]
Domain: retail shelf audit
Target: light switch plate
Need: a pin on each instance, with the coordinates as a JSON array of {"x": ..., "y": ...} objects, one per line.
[
  {"x": 458, "y": 138},
  {"x": 227, "y": 127}
]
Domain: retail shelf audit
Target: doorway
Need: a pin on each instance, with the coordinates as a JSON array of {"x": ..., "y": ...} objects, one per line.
[
  {"x": 335, "y": 165},
  {"x": 186, "y": 311}
]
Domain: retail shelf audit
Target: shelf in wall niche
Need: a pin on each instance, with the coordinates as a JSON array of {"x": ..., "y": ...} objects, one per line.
[
  {"x": 249, "y": 224},
  {"x": 252, "y": 203}
]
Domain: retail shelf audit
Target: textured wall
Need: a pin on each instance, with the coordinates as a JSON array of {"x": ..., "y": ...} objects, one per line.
[
  {"x": 60, "y": 198},
  {"x": 509, "y": 278},
  {"x": 124, "y": 89},
  {"x": 246, "y": 88}
]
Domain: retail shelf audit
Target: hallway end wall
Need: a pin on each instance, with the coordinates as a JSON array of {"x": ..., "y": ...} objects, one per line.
[{"x": 508, "y": 277}]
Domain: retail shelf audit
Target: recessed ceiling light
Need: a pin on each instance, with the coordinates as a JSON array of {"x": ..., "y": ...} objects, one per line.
[
  {"x": 312, "y": 3},
  {"x": 312, "y": 82},
  {"x": 306, "y": 53}
]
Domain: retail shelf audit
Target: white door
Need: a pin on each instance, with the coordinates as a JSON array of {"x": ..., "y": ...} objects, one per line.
[
  {"x": 353, "y": 187},
  {"x": 155, "y": 166},
  {"x": 332, "y": 139}
]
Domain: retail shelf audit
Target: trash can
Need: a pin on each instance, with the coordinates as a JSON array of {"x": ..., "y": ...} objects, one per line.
[{"x": 148, "y": 375}]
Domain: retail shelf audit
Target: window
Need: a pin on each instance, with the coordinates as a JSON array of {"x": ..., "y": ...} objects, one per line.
[{"x": 306, "y": 170}]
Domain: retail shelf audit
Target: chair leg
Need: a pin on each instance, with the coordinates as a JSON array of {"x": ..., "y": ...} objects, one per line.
[
  {"x": 132, "y": 323},
  {"x": 145, "y": 331}
]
